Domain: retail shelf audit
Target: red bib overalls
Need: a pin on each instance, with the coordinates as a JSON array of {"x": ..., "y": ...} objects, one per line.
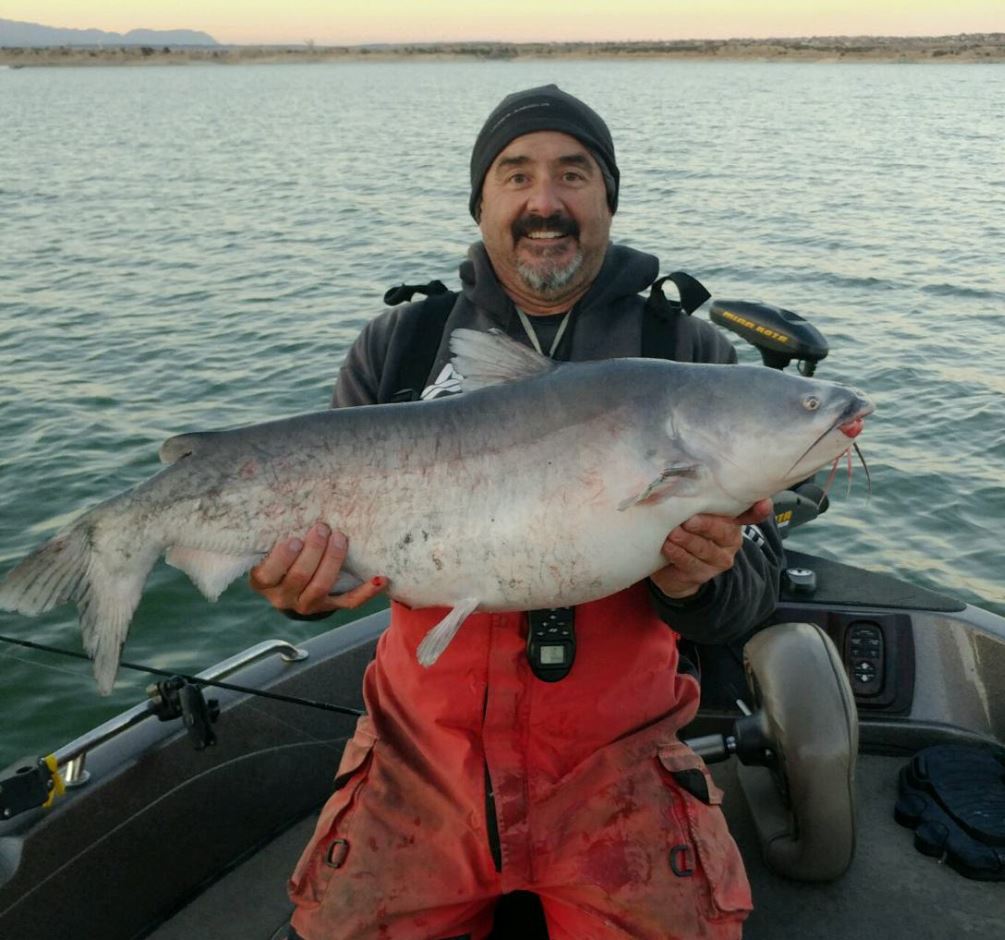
[{"x": 473, "y": 778}]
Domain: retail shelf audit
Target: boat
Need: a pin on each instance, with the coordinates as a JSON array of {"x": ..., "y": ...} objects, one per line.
[{"x": 183, "y": 816}]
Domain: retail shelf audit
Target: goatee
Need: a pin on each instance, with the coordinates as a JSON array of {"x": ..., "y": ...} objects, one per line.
[{"x": 548, "y": 278}]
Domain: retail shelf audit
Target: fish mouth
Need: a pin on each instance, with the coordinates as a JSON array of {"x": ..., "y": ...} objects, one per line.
[
  {"x": 852, "y": 428},
  {"x": 849, "y": 422},
  {"x": 852, "y": 418}
]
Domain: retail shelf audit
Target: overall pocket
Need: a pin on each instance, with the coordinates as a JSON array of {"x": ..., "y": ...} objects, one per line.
[
  {"x": 329, "y": 848},
  {"x": 697, "y": 801}
]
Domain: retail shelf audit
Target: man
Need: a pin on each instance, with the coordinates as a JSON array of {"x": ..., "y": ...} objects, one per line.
[{"x": 489, "y": 774}]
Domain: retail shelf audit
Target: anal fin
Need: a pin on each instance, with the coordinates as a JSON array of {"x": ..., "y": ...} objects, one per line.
[{"x": 210, "y": 572}]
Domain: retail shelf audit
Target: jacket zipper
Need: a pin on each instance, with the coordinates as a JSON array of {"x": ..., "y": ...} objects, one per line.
[
  {"x": 492, "y": 822},
  {"x": 491, "y": 819}
]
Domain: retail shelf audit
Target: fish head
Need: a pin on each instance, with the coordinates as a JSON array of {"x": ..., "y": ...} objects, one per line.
[{"x": 758, "y": 431}]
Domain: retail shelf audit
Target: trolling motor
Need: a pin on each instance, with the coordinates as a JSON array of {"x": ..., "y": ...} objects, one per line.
[
  {"x": 799, "y": 505},
  {"x": 779, "y": 335}
]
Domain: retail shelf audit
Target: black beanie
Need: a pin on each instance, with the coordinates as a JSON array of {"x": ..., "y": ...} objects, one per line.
[{"x": 547, "y": 108}]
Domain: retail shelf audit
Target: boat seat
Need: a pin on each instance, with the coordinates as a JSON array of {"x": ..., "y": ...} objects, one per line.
[{"x": 803, "y": 807}]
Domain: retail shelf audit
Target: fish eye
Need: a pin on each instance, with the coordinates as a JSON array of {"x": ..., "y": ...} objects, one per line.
[{"x": 811, "y": 402}]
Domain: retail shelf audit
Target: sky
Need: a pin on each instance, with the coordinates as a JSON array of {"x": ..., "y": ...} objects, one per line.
[{"x": 340, "y": 22}]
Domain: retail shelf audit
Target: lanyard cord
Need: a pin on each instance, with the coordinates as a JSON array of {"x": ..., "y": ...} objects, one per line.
[{"x": 532, "y": 335}]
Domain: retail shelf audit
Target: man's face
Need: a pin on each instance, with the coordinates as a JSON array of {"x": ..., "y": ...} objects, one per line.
[{"x": 544, "y": 217}]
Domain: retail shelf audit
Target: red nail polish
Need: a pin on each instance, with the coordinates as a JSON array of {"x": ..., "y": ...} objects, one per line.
[{"x": 377, "y": 582}]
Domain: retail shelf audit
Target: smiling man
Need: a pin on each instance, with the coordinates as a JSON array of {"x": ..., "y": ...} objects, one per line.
[
  {"x": 545, "y": 220},
  {"x": 516, "y": 764}
]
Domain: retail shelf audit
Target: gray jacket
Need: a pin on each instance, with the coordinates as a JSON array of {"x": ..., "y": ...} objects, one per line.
[{"x": 606, "y": 323}]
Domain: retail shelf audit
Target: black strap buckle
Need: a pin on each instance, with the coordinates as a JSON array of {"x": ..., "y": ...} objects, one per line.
[
  {"x": 692, "y": 294},
  {"x": 682, "y": 860},
  {"x": 405, "y": 292}
]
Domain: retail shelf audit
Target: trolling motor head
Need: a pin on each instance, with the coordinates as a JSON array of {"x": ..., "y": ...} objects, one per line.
[{"x": 779, "y": 335}]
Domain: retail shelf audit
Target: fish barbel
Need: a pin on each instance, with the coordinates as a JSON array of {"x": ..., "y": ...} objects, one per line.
[{"x": 544, "y": 485}]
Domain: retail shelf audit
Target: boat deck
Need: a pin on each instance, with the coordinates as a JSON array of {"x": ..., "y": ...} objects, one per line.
[{"x": 891, "y": 890}]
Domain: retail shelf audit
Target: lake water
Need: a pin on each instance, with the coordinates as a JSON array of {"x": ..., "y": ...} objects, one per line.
[{"x": 187, "y": 248}]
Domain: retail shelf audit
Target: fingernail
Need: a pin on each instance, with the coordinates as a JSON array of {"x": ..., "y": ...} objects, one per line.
[
  {"x": 379, "y": 582},
  {"x": 339, "y": 540},
  {"x": 295, "y": 545},
  {"x": 322, "y": 530}
]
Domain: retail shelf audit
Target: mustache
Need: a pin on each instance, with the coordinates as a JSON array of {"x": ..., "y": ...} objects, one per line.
[{"x": 558, "y": 222}]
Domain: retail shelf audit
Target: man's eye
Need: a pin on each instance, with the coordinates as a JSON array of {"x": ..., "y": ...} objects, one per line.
[
  {"x": 518, "y": 178},
  {"x": 571, "y": 176}
]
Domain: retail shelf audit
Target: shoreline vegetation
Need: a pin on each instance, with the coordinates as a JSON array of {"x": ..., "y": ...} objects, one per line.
[{"x": 973, "y": 47}]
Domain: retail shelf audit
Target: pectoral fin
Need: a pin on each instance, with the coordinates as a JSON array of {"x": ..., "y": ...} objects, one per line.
[
  {"x": 675, "y": 480},
  {"x": 437, "y": 640},
  {"x": 211, "y": 572}
]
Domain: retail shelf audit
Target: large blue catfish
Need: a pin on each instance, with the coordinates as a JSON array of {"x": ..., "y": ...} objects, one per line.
[{"x": 543, "y": 485}]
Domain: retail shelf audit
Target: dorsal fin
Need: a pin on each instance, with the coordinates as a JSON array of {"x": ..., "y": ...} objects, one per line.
[
  {"x": 184, "y": 445},
  {"x": 491, "y": 358}
]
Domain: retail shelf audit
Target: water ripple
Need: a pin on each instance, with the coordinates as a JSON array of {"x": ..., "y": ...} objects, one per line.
[{"x": 173, "y": 265}]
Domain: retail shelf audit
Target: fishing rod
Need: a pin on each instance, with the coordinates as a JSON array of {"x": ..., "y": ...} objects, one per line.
[{"x": 194, "y": 680}]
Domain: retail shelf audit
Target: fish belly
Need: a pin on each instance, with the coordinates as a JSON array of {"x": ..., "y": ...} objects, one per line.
[{"x": 534, "y": 528}]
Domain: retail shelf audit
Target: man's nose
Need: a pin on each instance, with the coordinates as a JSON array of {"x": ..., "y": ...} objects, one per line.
[{"x": 544, "y": 198}]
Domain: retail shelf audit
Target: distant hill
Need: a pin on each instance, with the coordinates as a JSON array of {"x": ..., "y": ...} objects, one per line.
[{"x": 16, "y": 33}]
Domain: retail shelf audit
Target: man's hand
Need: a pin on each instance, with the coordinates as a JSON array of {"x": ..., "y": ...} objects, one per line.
[
  {"x": 702, "y": 548},
  {"x": 298, "y": 574}
]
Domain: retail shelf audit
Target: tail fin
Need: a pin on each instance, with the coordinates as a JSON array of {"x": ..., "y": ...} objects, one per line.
[{"x": 67, "y": 568}]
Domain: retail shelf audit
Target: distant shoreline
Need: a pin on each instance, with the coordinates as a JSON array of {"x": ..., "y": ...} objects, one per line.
[{"x": 977, "y": 47}]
